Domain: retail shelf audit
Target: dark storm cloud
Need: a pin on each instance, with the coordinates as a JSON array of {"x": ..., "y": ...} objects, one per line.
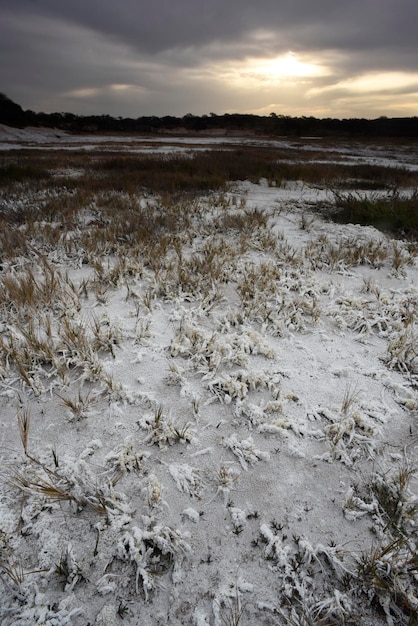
[
  {"x": 52, "y": 51},
  {"x": 153, "y": 26}
]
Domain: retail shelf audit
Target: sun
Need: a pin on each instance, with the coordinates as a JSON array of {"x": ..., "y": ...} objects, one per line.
[
  {"x": 263, "y": 72},
  {"x": 286, "y": 66}
]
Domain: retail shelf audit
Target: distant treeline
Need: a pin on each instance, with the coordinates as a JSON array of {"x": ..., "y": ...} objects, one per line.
[{"x": 274, "y": 124}]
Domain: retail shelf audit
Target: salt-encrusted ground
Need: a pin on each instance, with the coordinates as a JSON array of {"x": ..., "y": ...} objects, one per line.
[{"x": 224, "y": 476}]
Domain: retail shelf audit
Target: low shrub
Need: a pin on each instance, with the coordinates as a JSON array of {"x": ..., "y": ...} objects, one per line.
[{"x": 395, "y": 213}]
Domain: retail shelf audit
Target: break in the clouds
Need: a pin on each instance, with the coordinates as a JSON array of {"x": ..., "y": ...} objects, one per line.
[{"x": 326, "y": 58}]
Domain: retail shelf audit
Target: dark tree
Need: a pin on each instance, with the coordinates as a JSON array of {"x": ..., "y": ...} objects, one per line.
[{"x": 11, "y": 113}]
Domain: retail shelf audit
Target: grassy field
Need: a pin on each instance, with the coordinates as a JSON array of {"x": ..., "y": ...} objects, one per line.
[{"x": 208, "y": 387}]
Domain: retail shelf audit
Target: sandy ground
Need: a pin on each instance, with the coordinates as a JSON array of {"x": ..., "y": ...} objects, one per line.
[{"x": 233, "y": 443}]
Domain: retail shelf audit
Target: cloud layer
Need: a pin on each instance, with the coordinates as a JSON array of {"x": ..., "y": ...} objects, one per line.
[{"x": 296, "y": 57}]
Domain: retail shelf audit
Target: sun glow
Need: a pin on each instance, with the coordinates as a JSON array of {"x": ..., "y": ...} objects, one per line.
[
  {"x": 374, "y": 82},
  {"x": 282, "y": 69},
  {"x": 383, "y": 81},
  {"x": 287, "y": 66}
]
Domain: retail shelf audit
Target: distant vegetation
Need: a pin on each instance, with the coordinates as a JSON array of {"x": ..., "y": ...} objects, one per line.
[
  {"x": 275, "y": 124},
  {"x": 363, "y": 193}
]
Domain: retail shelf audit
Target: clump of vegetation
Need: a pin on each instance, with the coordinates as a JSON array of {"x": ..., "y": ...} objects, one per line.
[
  {"x": 395, "y": 212},
  {"x": 387, "y": 572},
  {"x": 18, "y": 172}
]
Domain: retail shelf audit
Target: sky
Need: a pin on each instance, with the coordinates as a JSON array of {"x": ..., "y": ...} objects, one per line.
[{"x": 129, "y": 58}]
